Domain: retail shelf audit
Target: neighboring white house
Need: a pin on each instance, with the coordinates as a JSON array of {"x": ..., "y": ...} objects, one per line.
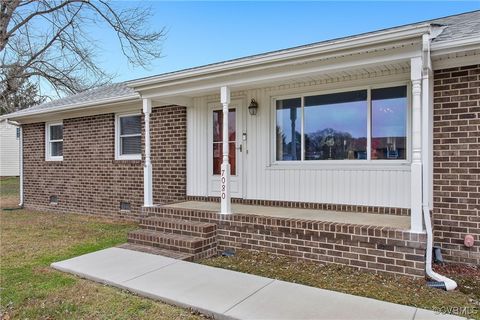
[{"x": 9, "y": 149}]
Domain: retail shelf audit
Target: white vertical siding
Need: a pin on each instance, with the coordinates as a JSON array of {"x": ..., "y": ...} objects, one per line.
[
  {"x": 197, "y": 148},
  {"x": 9, "y": 150},
  {"x": 379, "y": 185}
]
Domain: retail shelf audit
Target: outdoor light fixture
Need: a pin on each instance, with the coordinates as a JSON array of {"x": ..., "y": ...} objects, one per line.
[{"x": 252, "y": 108}]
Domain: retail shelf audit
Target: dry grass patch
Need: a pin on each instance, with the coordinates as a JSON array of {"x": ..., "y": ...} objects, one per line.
[
  {"x": 395, "y": 289},
  {"x": 29, "y": 289}
]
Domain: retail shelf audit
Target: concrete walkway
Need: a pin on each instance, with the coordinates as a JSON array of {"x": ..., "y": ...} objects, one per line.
[{"x": 226, "y": 294}]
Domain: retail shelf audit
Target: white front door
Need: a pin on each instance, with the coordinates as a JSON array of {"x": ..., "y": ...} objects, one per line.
[{"x": 236, "y": 148}]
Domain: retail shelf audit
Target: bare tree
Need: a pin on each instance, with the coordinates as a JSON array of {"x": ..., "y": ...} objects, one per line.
[{"x": 45, "y": 42}]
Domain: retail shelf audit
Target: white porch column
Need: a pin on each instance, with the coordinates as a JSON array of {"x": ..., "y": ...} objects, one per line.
[
  {"x": 147, "y": 168},
  {"x": 416, "y": 224},
  {"x": 225, "y": 200}
]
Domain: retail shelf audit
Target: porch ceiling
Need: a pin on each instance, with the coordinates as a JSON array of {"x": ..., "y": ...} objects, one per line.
[{"x": 354, "y": 73}]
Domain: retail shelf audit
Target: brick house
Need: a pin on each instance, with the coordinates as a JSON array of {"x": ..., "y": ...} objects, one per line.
[{"x": 337, "y": 151}]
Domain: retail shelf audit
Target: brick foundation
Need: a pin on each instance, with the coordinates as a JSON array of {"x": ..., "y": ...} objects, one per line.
[
  {"x": 89, "y": 180},
  {"x": 377, "y": 249},
  {"x": 457, "y": 162}
]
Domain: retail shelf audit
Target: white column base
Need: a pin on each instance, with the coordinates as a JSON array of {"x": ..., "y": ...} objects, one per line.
[{"x": 225, "y": 199}]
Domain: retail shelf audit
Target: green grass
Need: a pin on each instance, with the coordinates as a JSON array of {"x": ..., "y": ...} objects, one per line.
[
  {"x": 9, "y": 186},
  {"x": 30, "y": 289},
  {"x": 398, "y": 289}
]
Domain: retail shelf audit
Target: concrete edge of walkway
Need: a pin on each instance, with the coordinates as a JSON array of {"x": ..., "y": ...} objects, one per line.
[
  {"x": 427, "y": 314},
  {"x": 207, "y": 312},
  {"x": 82, "y": 275}
]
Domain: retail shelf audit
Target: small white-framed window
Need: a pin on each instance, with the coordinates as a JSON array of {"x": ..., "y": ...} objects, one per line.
[
  {"x": 54, "y": 141},
  {"x": 128, "y": 136}
]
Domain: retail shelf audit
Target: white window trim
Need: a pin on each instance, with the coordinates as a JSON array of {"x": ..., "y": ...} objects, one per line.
[
  {"x": 339, "y": 163},
  {"x": 48, "y": 156},
  {"x": 119, "y": 156}
]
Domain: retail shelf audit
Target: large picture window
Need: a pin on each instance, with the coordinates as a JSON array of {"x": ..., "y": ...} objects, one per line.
[
  {"x": 54, "y": 141},
  {"x": 336, "y": 126},
  {"x": 129, "y": 137}
]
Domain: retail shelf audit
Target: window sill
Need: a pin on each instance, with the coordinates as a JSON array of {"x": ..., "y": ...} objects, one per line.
[
  {"x": 343, "y": 165},
  {"x": 54, "y": 159},
  {"x": 129, "y": 158}
]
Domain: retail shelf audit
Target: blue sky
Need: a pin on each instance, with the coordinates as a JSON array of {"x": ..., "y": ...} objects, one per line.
[{"x": 206, "y": 32}]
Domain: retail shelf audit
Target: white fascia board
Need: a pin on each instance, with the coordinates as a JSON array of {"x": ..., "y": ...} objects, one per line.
[
  {"x": 365, "y": 40},
  {"x": 330, "y": 59},
  {"x": 78, "y": 110},
  {"x": 446, "y": 47},
  {"x": 70, "y": 107},
  {"x": 262, "y": 77}
]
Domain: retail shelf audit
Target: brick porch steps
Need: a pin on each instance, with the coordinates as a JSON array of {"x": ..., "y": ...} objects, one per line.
[
  {"x": 158, "y": 251},
  {"x": 375, "y": 248},
  {"x": 179, "y": 226},
  {"x": 179, "y": 236}
]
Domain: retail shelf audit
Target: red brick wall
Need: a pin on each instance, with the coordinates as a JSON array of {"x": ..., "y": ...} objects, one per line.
[
  {"x": 377, "y": 249},
  {"x": 169, "y": 154},
  {"x": 89, "y": 180},
  {"x": 456, "y": 160}
]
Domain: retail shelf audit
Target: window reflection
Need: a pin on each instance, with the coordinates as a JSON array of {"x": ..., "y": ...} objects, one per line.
[
  {"x": 336, "y": 126},
  {"x": 218, "y": 141},
  {"x": 288, "y": 129},
  {"x": 389, "y": 123}
]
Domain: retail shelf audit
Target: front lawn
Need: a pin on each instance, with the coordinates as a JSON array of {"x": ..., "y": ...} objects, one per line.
[
  {"x": 30, "y": 289},
  {"x": 398, "y": 289},
  {"x": 9, "y": 191}
]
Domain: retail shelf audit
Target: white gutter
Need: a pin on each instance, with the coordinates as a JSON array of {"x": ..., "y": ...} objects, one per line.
[
  {"x": 368, "y": 39},
  {"x": 20, "y": 155},
  {"x": 426, "y": 165},
  {"x": 94, "y": 103},
  {"x": 446, "y": 47}
]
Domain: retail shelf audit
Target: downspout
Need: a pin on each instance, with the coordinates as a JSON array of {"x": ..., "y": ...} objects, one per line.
[
  {"x": 427, "y": 93},
  {"x": 20, "y": 155}
]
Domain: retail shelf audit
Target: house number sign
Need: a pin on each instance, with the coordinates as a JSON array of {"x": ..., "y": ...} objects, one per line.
[{"x": 224, "y": 185}]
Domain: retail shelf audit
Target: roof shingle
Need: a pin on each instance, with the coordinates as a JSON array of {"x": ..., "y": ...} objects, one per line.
[{"x": 457, "y": 27}]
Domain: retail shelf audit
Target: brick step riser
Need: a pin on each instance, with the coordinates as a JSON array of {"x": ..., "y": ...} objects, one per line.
[
  {"x": 177, "y": 230},
  {"x": 192, "y": 247},
  {"x": 180, "y": 224},
  {"x": 157, "y": 251},
  {"x": 183, "y": 214},
  {"x": 203, "y": 251},
  {"x": 184, "y": 226}
]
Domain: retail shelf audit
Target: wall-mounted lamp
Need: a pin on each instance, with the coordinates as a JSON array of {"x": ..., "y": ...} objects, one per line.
[{"x": 252, "y": 108}]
